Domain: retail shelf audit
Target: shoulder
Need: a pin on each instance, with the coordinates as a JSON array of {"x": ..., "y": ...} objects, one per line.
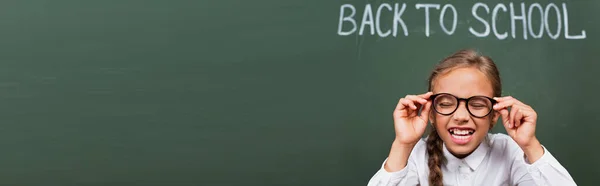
[
  {"x": 504, "y": 144},
  {"x": 421, "y": 146},
  {"x": 500, "y": 139},
  {"x": 418, "y": 152},
  {"x": 418, "y": 156},
  {"x": 420, "y": 149}
]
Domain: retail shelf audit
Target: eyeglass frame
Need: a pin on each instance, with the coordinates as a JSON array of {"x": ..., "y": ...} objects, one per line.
[{"x": 432, "y": 97}]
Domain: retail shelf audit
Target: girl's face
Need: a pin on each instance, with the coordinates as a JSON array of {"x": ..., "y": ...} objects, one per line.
[{"x": 462, "y": 132}]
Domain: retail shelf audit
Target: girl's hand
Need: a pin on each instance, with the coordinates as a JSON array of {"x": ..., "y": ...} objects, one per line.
[
  {"x": 408, "y": 124},
  {"x": 520, "y": 123}
]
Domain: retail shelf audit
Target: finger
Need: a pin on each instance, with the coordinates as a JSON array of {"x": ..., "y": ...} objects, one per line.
[
  {"x": 505, "y": 121},
  {"x": 400, "y": 106},
  {"x": 513, "y": 113},
  {"x": 504, "y": 104},
  {"x": 528, "y": 114},
  {"x": 426, "y": 95},
  {"x": 402, "y": 109},
  {"x": 509, "y": 99},
  {"x": 425, "y": 111},
  {"x": 503, "y": 98},
  {"x": 408, "y": 103},
  {"x": 417, "y": 99},
  {"x": 518, "y": 118}
]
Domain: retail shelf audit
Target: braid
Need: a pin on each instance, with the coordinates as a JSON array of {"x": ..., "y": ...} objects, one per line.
[{"x": 436, "y": 158}]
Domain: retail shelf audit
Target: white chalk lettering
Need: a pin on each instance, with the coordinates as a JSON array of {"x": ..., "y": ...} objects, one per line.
[
  {"x": 378, "y": 22},
  {"x": 502, "y": 21},
  {"x": 487, "y": 25},
  {"x": 566, "y": 17},
  {"x": 398, "y": 19},
  {"x": 454, "y": 19},
  {"x": 427, "y": 6},
  {"x": 529, "y": 21},
  {"x": 367, "y": 20},
  {"x": 514, "y": 17},
  {"x": 558, "y": 20},
  {"x": 349, "y": 18},
  {"x": 494, "y": 18}
]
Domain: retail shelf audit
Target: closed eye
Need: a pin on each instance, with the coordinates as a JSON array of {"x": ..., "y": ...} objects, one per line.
[
  {"x": 478, "y": 106},
  {"x": 446, "y": 104}
]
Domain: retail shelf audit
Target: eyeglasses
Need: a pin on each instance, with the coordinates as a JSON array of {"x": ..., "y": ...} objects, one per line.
[{"x": 478, "y": 106}]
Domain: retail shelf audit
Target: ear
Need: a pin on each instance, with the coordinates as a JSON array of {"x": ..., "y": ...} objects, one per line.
[
  {"x": 431, "y": 115},
  {"x": 495, "y": 116}
]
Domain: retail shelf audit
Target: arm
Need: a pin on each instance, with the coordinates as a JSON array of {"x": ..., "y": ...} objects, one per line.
[
  {"x": 398, "y": 169},
  {"x": 532, "y": 164},
  {"x": 545, "y": 170},
  {"x": 398, "y": 157}
]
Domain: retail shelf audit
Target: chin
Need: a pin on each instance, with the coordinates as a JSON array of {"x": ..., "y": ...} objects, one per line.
[{"x": 461, "y": 151}]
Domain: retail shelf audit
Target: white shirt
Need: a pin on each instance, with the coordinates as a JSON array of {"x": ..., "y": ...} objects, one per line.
[{"x": 497, "y": 161}]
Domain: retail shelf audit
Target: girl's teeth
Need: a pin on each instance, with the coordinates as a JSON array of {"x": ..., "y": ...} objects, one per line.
[
  {"x": 460, "y": 137},
  {"x": 461, "y": 132}
]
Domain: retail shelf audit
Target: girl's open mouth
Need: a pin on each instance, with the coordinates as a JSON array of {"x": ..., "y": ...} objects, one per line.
[{"x": 461, "y": 135}]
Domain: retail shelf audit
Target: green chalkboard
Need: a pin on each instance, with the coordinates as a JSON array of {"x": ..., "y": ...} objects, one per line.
[{"x": 267, "y": 92}]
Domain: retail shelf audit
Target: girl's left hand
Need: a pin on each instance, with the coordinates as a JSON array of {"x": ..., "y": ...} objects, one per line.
[{"x": 520, "y": 124}]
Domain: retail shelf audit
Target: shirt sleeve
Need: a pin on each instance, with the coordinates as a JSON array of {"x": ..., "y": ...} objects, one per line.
[
  {"x": 406, "y": 176},
  {"x": 545, "y": 171}
]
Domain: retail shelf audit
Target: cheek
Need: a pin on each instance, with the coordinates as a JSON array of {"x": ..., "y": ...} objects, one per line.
[
  {"x": 440, "y": 122},
  {"x": 483, "y": 124}
]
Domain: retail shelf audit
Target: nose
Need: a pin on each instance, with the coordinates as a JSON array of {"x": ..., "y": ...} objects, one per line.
[{"x": 461, "y": 114}]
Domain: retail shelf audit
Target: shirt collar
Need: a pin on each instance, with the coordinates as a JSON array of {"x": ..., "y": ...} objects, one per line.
[{"x": 472, "y": 161}]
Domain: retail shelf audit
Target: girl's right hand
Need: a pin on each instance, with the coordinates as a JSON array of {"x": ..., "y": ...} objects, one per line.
[{"x": 408, "y": 124}]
